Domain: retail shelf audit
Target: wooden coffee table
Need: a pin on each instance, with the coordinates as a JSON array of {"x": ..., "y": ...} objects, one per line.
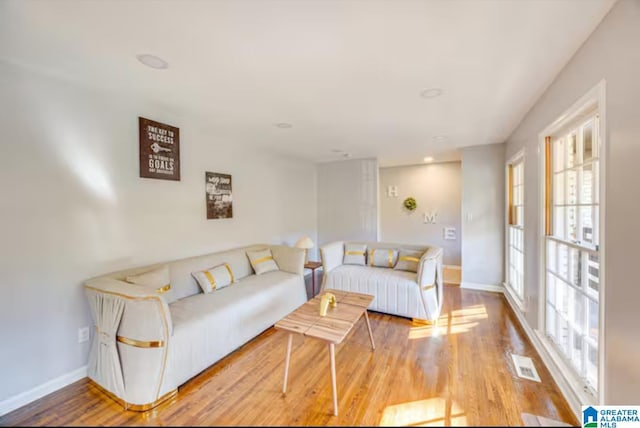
[{"x": 332, "y": 328}]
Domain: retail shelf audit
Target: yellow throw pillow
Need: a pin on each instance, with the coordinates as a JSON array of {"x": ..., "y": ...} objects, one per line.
[
  {"x": 354, "y": 254},
  {"x": 215, "y": 278},
  {"x": 158, "y": 278},
  {"x": 408, "y": 260},
  {"x": 383, "y": 257},
  {"x": 262, "y": 261}
]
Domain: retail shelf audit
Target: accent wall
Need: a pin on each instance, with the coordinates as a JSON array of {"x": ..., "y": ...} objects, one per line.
[{"x": 437, "y": 189}]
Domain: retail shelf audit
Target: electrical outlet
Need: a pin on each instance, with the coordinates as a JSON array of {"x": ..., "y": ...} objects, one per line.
[{"x": 83, "y": 334}]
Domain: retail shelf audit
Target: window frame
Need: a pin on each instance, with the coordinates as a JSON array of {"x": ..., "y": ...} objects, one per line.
[
  {"x": 517, "y": 158},
  {"x": 595, "y": 98},
  {"x": 574, "y": 314}
]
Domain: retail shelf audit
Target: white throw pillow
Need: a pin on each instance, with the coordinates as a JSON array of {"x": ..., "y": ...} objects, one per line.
[
  {"x": 215, "y": 278},
  {"x": 262, "y": 261},
  {"x": 354, "y": 254},
  {"x": 158, "y": 278},
  {"x": 383, "y": 257},
  {"x": 408, "y": 260}
]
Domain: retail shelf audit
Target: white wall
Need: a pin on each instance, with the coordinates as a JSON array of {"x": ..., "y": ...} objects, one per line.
[
  {"x": 611, "y": 53},
  {"x": 73, "y": 206},
  {"x": 348, "y": 201},
  {"x": 436, "y": 187},
  {"x": 483, "y": 215}
]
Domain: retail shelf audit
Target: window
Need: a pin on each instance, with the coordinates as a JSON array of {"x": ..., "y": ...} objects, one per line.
[
  {"x": 515, "y": 228},
  {"x": 572, "y": 264}
]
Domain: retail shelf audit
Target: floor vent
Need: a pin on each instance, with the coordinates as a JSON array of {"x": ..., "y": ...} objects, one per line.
[{"x": 525, "y": 368}]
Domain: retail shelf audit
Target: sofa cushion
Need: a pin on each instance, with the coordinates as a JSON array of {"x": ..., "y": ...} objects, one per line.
[
  {"x": 408, "y": 260},
  {"x": 215, "y": 278},
  {"x": 355, "y": 254},
  {"x": 184, "y": 285},
  {"x": 262, "y": 261},
  {"x": 209, "y": 326},
  {"x": 383, "y": 257},
  {"x": 395, "y": 291}
]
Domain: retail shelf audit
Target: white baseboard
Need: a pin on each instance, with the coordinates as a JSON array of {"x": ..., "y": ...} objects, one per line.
[
  {"x": 565, "y": 388},
  {"x": 482, "y": 287},
  {"x": 13, "y": 403}
]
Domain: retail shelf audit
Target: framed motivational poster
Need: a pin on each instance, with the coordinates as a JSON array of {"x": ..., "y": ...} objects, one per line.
[
  {"x": 159, "y": 150},
  {"x": 219, "y": 197}
]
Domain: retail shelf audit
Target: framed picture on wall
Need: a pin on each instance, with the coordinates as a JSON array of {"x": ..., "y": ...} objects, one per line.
[
  {"x": 219, "y": 195},
  {"x": 159, "y": 150}
]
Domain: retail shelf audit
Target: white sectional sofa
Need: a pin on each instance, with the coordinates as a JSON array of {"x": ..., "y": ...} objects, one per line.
[
  {"x": 149, "y": 341},
  {"x": 415, "y": 295}
]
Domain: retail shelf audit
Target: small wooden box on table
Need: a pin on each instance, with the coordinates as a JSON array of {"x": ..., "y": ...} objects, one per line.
[{"x": 332, "y": 328}]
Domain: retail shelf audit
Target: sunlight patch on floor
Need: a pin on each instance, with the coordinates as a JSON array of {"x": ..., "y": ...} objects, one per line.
[
  {"x": 476, "y": 312},
  {"x": 439, "y": 330},
  {"x": 430, "y": 412},
  {"x": 455, "y": 322}
]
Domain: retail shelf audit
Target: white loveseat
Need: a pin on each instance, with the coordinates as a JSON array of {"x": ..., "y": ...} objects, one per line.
[
  {"x": 415, "y": 295},
  {"x": 147, "y": 344}
]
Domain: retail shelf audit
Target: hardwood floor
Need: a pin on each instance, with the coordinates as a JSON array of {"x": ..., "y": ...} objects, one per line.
[{"x": 456, "y": 373}]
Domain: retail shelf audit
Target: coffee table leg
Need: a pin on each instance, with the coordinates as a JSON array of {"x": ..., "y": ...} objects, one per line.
[
  {"x": 286, "y": 364},
  {"x": 332, "y": 351},
  {"x": 366, "y": 318}
]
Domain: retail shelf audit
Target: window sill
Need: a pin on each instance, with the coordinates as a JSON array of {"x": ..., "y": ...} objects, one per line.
[
  {"x": 585, "y": 394},
  {"x": 514, "y": 296}
]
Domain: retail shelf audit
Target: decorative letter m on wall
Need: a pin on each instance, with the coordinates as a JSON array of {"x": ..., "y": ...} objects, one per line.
[{"x": 430, "y": 217}]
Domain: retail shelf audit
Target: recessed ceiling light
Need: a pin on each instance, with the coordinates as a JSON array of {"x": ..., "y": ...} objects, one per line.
[
  {"x": 431, "y": 93},
  {"x": 284, "y": 125},
  {"x": 428, "y": 159},
  {"x": 152, "y": 61},
  {"x": 440, "y": 138}
]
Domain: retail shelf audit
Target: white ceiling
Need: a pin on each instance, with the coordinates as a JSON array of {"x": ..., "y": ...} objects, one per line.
[{"x": 347, "y": 74}]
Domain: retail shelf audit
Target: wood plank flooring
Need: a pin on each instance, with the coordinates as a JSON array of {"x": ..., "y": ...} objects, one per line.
[{"x": 456, "y": 373}]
